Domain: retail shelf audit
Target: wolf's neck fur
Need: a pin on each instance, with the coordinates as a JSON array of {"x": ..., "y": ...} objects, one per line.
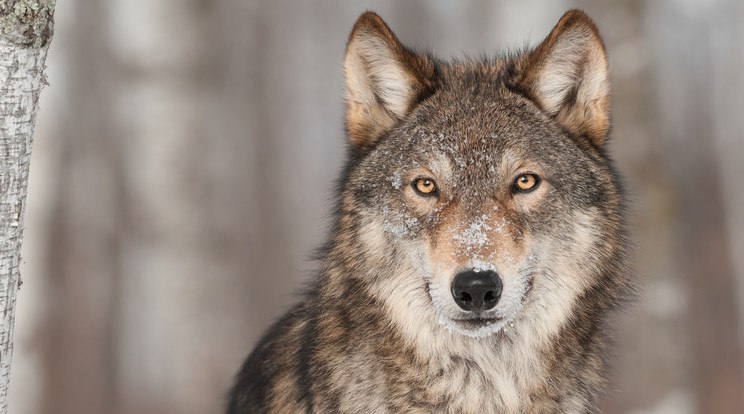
[{"x": 506, "y": 371}]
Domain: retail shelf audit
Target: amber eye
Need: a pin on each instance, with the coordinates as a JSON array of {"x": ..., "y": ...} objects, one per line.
[
  {"x": 526, "y": 182},
  {"x": 424, "y": 186}
]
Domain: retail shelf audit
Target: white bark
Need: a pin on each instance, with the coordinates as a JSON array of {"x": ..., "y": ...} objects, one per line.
[{"x": 23, "y": 49}]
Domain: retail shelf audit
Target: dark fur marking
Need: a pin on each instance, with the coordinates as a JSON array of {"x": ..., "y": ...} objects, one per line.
[
  {"x": 304, "y": 359},
  {"x": 254, "y": 380}
]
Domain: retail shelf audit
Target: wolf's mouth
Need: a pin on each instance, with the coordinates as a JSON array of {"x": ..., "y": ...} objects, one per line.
[{"x": 477, "y": 323}]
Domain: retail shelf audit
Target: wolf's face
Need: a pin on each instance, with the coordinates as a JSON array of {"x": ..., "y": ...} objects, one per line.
[{"x": 479, "y": 185}]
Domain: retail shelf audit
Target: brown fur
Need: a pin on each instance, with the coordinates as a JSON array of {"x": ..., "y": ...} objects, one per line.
[
  {"x": 370, "y": 113},
  {"x": 379, "y": 331},
  {"x": 584, "y": 108}
]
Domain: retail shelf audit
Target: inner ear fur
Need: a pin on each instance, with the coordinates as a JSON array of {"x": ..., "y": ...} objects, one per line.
[
  {"x": 567, "y": 76},
  {"x": 384, "y": 81}
]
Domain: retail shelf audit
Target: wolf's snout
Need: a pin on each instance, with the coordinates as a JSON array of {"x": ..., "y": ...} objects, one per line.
[{"x": 476, "y": 291}]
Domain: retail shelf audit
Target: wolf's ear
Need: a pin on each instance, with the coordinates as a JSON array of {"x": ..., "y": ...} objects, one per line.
[
  {"x": 384, "y": 81},
  {"x": 567, "y": 76}
]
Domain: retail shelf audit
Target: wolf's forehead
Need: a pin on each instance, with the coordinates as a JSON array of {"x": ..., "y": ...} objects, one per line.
[
  {"x": 482, "y": 132},
  {"x": 477, "y": 127},
  {"x": 491, "y": 111},
  {"x": 453, "y": 156}
]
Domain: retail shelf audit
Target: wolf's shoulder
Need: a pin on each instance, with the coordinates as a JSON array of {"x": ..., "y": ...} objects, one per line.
[{"x": 276, "y": 359}]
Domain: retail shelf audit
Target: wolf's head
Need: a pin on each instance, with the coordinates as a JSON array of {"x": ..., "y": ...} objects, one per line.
[{"x": 479, "y": 194}]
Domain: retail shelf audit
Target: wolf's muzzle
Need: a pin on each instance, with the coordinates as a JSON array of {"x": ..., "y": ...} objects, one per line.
[{"x": 476, "y": 291}]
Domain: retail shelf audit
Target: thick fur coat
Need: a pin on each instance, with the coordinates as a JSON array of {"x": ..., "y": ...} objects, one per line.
[{"x": 496, "y": 170}]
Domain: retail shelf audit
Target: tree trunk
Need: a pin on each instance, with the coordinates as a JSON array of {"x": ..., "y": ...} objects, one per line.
[{"x": 26, "y": 31}]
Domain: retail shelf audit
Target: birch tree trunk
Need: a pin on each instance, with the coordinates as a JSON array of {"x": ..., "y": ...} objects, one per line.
[{"x": 26, "y": 31}]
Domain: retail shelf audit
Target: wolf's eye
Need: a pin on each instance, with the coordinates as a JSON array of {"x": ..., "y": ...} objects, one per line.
[
  {"x": 526, "y": 183},
  {"x": 424, "y": 186}
]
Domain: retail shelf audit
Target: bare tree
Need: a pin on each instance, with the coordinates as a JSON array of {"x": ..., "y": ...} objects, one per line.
[{"x": 26, "y": 31}]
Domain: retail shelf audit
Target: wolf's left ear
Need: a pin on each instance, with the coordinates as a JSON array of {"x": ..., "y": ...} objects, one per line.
[
  {"x": 384, "y": 81},
  {"x": 567, "y": 76}
]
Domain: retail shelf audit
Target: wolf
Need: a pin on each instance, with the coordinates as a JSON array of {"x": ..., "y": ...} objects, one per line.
[{"x": 479, "y": 243}]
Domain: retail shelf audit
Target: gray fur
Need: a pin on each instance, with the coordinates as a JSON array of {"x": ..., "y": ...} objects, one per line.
[{"x": 378, "y": 332}]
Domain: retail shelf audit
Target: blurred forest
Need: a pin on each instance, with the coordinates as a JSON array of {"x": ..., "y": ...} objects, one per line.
[{"x": 183, "y": 173}]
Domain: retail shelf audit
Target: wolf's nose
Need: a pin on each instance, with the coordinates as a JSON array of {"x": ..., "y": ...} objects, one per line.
[{"x": 476, "y": 291}]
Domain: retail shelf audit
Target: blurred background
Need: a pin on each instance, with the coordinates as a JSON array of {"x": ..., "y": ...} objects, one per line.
[{"x": 184, "y": 162}]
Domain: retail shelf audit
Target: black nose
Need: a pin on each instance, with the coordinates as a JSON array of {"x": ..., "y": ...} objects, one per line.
[{"x": 476, "y": 291}]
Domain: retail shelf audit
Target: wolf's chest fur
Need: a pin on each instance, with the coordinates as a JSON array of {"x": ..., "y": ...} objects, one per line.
[
  {"x": 460, "y": 386},
  {"x": 489, "y": 379},
  {"x": 479, "y": 241}
]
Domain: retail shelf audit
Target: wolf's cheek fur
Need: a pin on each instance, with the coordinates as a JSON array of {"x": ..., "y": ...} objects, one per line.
[{"x": 560, "y": 277}]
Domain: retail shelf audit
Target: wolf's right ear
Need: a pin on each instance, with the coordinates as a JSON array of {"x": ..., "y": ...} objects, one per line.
[{"x": 384, "y": 81}]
